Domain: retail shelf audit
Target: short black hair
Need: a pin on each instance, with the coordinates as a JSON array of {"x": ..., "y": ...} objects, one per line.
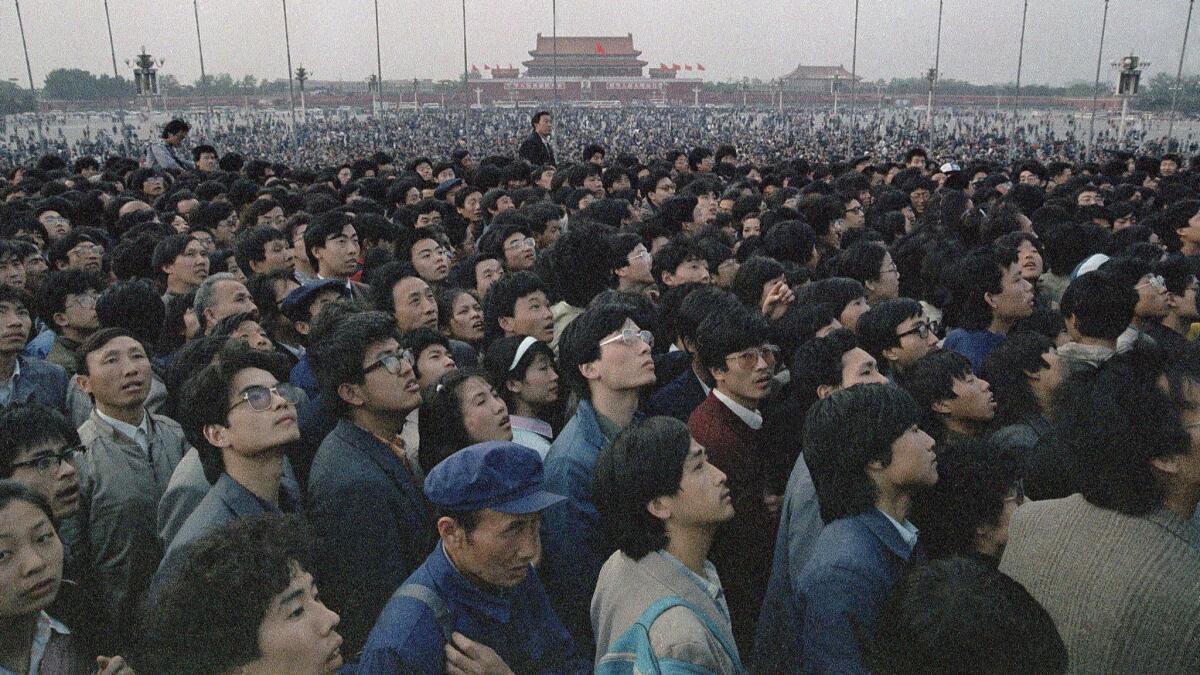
[
  {"x": 838, "y": 446},
  {"x": 537, "y": 117},
  {"x": 206, "y": 617},
  {"x": 321, "y": 228},
  {"x": 501, "y": 299},
  {"x": 752, "y": 276},
  {"x": 52, "y": 294},
  {"x": 204, "y": 398},
  {"x": 167, "y": 250},
  {"x": 1005, "y": 370},
  {"x": 861, "y": 261},
  {"x": 420, "y": 339},
  {"x": 931, "y": 379},
  {"x": 725, "y": 333},
  {"x": 819, "y": 362},
  {"x": 175, "y": 126},
  {"x": 25, "y": 425},
  {"x": 974, "y": 478},
  {"x": 383, "y": 282},
  {"x": 645, "y": 461},
  {"x": 961, "y": 615},
  {"x": 1101, "y": 305},
  {"x": 580, "y": 341},
  {"x": 972, "y": 277},
  {"x": 338, "y": 356},
  {"x": 96, "y": 341},
  {"x": 251, "y": 245},
  {"x": 677, "y": 251},
  {"x": 134, "y": 305},
  {"x": 877, "y": 327}
]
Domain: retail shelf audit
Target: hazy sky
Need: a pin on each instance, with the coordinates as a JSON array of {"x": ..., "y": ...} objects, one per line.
[{"x": 335, "y": 39}]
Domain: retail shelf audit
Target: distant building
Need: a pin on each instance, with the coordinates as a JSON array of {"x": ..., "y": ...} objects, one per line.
[
  {"x": 817, "y": 79},
  {"x": 585, "y": 57}
]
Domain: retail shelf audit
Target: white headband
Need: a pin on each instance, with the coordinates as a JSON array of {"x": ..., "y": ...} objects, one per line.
[{"x": 525, "y": 345}]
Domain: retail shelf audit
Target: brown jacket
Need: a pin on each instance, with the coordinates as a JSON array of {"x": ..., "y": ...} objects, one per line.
[{"x": 1123, "y": 590}]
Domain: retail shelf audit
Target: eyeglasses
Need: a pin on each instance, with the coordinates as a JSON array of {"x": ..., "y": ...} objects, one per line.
[
  {"x": 857, "y": 209},
  {"x": 1016, "y": 493},
  {"x": 51, "y": 462},
  {"x": 922, "y": 329},
  {"x": 629, "y": 336},
  {"x": 889, "y": 270},
  {"x": 391, "y": 362},
  {"x": 1154, "y": 281},
  {"x": 87, "y": 249},
  {"x": 260, "y": 397},
  {"x": 748, "y": 360},
  {"x": 85, "y": 301},
  {"x": 56, "y": 220},
  {"x": 527, "y": 242},
  {"x": 634, "y": 257}
]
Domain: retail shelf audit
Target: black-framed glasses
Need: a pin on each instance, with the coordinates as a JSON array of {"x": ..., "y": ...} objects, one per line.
[
  {"x": 391, "y": 361},
  {"x": 259, "y": 397},
  {"x": 52, "y": 461},
  {"x": 748, "y": 360},
  {"x": 922, "y": 330}
]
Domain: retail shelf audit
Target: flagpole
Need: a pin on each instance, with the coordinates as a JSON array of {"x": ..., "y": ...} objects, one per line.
[
  {"x": 853, "y": 86},
  {"x": 1096, "y": 85}
]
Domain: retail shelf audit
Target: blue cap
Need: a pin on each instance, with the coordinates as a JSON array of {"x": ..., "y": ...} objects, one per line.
[
  {"x": 446, "y": 186},
  {"x": 295, "y": 305},
  {"x": 497, "y": 475}
]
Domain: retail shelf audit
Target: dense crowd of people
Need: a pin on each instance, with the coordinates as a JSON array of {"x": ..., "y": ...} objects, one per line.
[{"x": 610, "y": 404}]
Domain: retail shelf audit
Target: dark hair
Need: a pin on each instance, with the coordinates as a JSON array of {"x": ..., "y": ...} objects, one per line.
[
  {"x": 322, "y": 227},
  {"x": 499, "y": 357},
  {"x": 686, "y": 306},
  {"x": 206, "y": 618},
  {"x": 175, "y": 126},
  {"x": 251, "y": 245},
  {"x": 338, "y": 356},
  {"x": 838, "y": 445},
  {"x": 420, "y": 339},
  {"x": 752, "y": 276},
  {"x": 167, "y": 250},
  {"x": 96, "y": 341},
  {"x": 877, "y": 327},
  {"x": 819, "y": 362},
  {"x": 960, "y": 615},
  {"x": 537, "y": 117},
  {"x": 862, "y": 261},
  {"x": 677, "y": 251},
  {"x": 25, "y": 425},
  {"x": 972, "y": 277},
  {"x": 204, "y": 398},
  {"x": 441, "y": 419},
  {"x": 931, "y": 379},
  {"x": 578, "y": 264},
  {"x": 580, "y": 342},
  {"x": 1101, "y": 305},
  {"x": 52, "y": 294},
  {"x": 383, "y": 282},
  {"x": 645, "y": 461},
  {"x": 836, "y": 291},
  {"x": 729, "y": 332},
  {"x": 974, "y": 477},
  {"x": 134, "y": 305},
  {"x": 1005, "y": 370},
  {"x": 501, "y": 300}
]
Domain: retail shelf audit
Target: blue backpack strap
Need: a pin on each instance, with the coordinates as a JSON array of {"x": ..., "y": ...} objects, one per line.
[
  {"x": 645, "y": 658},
  {"x": 428, "y": 597}
]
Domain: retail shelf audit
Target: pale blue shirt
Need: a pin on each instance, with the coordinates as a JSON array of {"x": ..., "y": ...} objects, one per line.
[{"x": 908, "y": 531}]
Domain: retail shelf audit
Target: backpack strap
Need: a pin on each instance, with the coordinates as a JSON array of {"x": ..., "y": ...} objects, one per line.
[
  {"x": 660, "y": 607},
  {"x": 428, "y": 597}
]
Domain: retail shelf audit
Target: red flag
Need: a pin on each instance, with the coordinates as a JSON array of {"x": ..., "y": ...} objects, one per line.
[
  {"x": 662, "y": 66},
  {"x": 699, "y": 66},
  {"x": 674, "y": 66},
  {"x": 486, "y": 67},
  {"x": 687, "y": 67},
  {"x": 599, "y": 48},
  {"x": 475, "y": 68}
]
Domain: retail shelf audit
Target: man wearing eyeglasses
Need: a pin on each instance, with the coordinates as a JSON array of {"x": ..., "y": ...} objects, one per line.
[
  {"x": 240, "y": 414},
  {"x": 897, "y": 333},
  {"x": 131, "y": 454},
  {"x": 732, "y": 347},
  {"x": 605, "y": 358},
  {"x": 67, "y": 304},
  {"x": 365, "y": 503}
]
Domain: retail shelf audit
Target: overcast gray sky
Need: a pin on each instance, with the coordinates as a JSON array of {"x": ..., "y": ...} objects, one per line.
[{"x": 335, "y": 39}]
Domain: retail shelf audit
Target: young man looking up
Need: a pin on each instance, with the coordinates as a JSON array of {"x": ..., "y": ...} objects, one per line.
[
  {"x": 363, "y": 499},
  {"x": 262, "y": 250},
  {"x": 655, "y": 469},
  {"x": 23, "y": 378},
  {"x": 733, "y": 349},
  {"x": 128, "y": 463},
  {"x": 182, "y": 262},
  {"x": 989, "y": 297},
  {"x": 605, "y": 358},
  {"x": 896, "y": 333},
  {"x": 240, "y": 416},
  {"x": 67, "y": 304},
  {"x": 631, "y": 263},
  {"x": 955, "y": 402},
  {"x": 517, "y": 305},
  {"x": 332, "y": 245}
]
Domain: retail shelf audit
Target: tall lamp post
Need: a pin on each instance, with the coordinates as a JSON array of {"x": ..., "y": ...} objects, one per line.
[
  {"x": 1020, "y": 58},
  {"x": 378, "y": 58},
  {"x": 37, "y": 114},
  {"x": 554, "y": 55},
  {"x": 120, "y": 103},
  {"x": 1129, "y": 74},
  {"x": 1096, "y": 85},
  {"x": 287, "y": 43},
  {"x": 302, "y": 76},
  {"x": 200, "y": 49},
  {"x": 1179, "y": 75},
  {"x": 853, "y": 84},
  {"x": 932, "y": 76},
  {"x": 145, "y": 75}
]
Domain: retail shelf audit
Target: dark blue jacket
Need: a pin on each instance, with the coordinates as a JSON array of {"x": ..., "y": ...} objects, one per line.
[
  {"x": 518, "y": 624},
  {"x": 302, "y": 375},
  {"x": 42, "y": 382},
  {"x": 573, "y": 541},
  {"x": 973, "y": 344},
  {"x": 373, "y": 525},
  {"x": 678, "y": 398},
  {"x": 853, "y": 566}
]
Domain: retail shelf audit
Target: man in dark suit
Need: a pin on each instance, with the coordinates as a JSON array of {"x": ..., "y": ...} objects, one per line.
[
  {"x": 367, "y": 508},
  {"x": 733, "y": 349},
  {"x": 536, "y": 149}
]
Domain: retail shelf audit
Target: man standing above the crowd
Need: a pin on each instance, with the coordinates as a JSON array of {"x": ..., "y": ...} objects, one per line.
[
  {"x": 536, "y": 149},
  {"x": 168, "y": 153},
  {"x": 605, "y": 357},
  {"x": 989, "y": 296},
  {"x": 476, "y": 605},
  {"x": 655, "y": 469},
  {"x": 364, "y": 501},
  {"x": 733, "y": 350},
  {"x": 130, "y": 456}
]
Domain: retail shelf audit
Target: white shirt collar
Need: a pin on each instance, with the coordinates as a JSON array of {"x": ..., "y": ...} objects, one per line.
[
  {"x": 752, "y": 418},
  {"x": 908, "y": 531},
  {"x": 129, "y": 430}
]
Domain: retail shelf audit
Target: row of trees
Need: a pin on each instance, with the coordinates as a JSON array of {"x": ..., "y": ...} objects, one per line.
[{"x": 76, "y": 84}]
